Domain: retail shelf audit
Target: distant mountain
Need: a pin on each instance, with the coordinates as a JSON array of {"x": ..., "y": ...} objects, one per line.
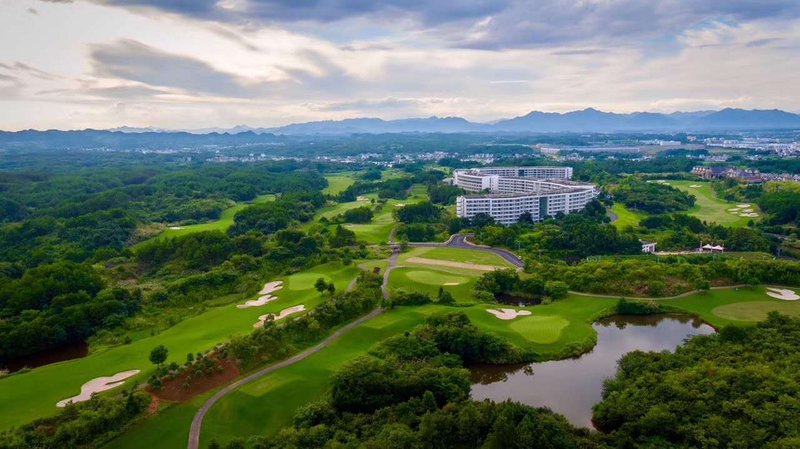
[
  {"x": 379, "y": 126},
  {"x": 586, "y": 120},
  {"x": 744, "y": 119}
]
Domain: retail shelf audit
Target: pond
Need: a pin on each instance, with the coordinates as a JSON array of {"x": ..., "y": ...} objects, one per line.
[{"x": 570, "y": 387}]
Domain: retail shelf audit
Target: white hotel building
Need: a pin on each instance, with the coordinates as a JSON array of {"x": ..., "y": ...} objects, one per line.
[{"x": 513, "y": 191}]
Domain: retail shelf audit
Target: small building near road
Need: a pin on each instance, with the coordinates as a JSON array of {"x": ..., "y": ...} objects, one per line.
[{"x": 648, "y": 247}]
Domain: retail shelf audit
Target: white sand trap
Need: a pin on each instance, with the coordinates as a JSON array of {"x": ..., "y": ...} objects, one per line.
[
  {"x": 265, "y": 297},
  {"x": 508, "y": 314},
  {"x": 362, "y": 198},
  {"x": 784, "y": 294},
  {"x": 452, "y": 283},
  {"x": 97, "y": 385},
  {"x": 175, "y": 228},
  {"x": 695, "y": 186},
  {"x": 742, "y": 206},
  {"x": 271, "y": 287},
  {"x": 284, "y": 313},
  {"x": 257, "y": 302},
  {"x": 748, "y": 210},
  {"x": 400, "y": 205}
]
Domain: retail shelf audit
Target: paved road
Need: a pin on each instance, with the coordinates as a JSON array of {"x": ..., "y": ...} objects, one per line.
[
  {"x": 197, "y": 421},
  {"x": 460, "y": 241}
]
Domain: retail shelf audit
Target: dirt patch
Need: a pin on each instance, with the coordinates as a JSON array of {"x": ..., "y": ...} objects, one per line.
[
  {"x": 450, "y": 263},
  {"x": 175, "y": 391},
  {"x": 155, "y": 404}
]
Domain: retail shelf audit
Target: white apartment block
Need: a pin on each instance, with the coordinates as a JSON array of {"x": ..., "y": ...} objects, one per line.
[{"x": 513, "y": 191}]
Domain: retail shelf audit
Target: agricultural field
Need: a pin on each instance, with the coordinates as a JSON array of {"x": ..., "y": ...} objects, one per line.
[
  {"x": 709, "y": 208},
  {"x": 40, "y": 388}
]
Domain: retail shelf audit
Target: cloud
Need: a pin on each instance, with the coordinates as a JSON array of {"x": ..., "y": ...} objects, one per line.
[
  {"x": 489, "y": 24},
  {"x": 133, "y": 61}
]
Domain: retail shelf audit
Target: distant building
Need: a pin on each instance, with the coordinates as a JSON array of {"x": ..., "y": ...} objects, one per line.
[
  {"x": 648, "y": 247},
  {"x": 709, "y": 172},
  {"x": 708, "y": 248},
  {"x": 514, "y": 191}
]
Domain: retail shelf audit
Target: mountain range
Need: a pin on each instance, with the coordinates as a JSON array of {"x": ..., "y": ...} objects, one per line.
[{"x": 586, "y": 120}]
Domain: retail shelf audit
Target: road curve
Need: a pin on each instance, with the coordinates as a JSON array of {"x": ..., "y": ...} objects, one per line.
[
  {"x": 197, "y": 421},
  {"x": 460, "y": 241}
]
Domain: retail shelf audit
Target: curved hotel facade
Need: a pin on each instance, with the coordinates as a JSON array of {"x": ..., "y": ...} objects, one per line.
[{"x": 513, "y": 191}]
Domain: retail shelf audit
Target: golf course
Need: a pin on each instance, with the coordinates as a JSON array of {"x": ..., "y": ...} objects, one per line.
[
  {"x": 709, "y": 208},
  {"x": 41, "y": 388},
  {"x": 561, "y": 328}
]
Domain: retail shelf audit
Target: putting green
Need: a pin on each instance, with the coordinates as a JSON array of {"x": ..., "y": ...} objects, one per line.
[
  {"x": 540, "y": 329},
  {"x": 435, "y": 277},
  {"x": 304, "y": 280},
  {"x": 755, "y": 311}
]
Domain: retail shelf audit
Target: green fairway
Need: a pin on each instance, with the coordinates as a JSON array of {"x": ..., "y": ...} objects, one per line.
[
  {"x": 339, "y": 182},
  {"x": 40, "y": 388},
  {"x": 712, "y": 209},
  {"x": 540, "y": 329},
  {"x": 377, "y": 231},
  {"x": 748, "y": 311},
  {"x": 458, "y": 255},
  {"x": 435, "y": 278},
  {"x": 625, "y": 216},
  {"x": 225, "y": 220},
  {"x": 407, "y": 278}
]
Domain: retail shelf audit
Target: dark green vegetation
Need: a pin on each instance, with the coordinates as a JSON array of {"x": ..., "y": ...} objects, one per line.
[
  {"x": 737, "y": 388},
  {"x": 79, "y": 426},
  {"x": 651, "y": 197}
]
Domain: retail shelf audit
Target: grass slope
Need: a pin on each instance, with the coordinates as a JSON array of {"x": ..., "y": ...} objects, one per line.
[
  {"x": 339, "y": 182},
  {"x": 710, "y": 208},
  {"x": 225, "y": 220},
  {"x": 37, "y": 391},
  {"x": 625, "y": 216}
]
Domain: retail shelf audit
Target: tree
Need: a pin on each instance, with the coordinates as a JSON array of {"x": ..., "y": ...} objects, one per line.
[
  {"x": 320, "y": 285},
  {"x": 556, "y": 289},
  {"x": 331, "y": 288},
  {"x": 159, "y": 355}
]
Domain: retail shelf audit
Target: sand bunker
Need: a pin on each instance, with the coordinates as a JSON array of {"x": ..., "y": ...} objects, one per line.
[
  {"x": 271, "y": 287},
  {"x": 452, "y": 283},
  {"x": 742, "y": 206},
  {"x": 400, "y": 205},
  {"x": 97, "y": 385},
  {"x": 284, "y": 313},
  {"x": 175, "y": 228},
  {"x": 734, "y": 209},
  {"x": 265, "y": 297},
  {"x": 751, "y": 215},
  {"x": 695, "y": 186},
  {"x": 508, "y": 314},
  {"x": 784, "y": 294},
  {"x": 449, "y": 263}
]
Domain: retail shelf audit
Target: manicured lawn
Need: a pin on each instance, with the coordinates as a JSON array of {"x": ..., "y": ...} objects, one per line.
[
  {"x": 735, "y": 306},
  {"x": 712, "y": 209},
  {"x": 377, "y": 231},
  {"x": 338, "y": 183},
  {"x": 458, "y": 255},
  {"x": 225, "y": 220},
  {"x": 37, "y": 391},
  {"x": 625, "y": 216},
  {"x": 410, "y": 279}
]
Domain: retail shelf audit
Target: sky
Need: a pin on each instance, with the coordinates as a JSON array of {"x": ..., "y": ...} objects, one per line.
[{"x": 192, "y": 64}]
